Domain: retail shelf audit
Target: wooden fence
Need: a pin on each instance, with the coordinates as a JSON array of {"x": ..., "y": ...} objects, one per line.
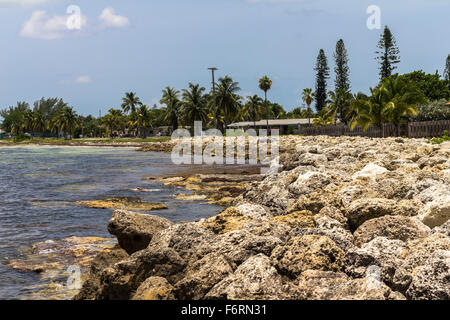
[{"x": 424, "y": 129}]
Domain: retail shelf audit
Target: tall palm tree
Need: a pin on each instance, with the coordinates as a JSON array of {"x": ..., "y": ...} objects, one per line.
[
  {"x": 28, "y": 121},
  {"x": 194, "y": 104},
  {"x": 265, "y": 84},
  {"x": 143, "y": 119},
  {"x": 254, "y": 104},
  {"x": 227, "y": 99},
  {"x": 340, "y": 101},
  {"x": 308, "y": 97},
  {"x": 130, "y": 102},
  {"x": 170, "y": 97},
  {"x": 113, "y": 120},
  {"x": 39, "y": 121},
  {"x": 65, "y": 120}
]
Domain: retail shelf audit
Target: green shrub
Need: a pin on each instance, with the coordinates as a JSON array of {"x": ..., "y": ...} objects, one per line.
[
  {"x": 433, "y": 111},
  {"x": 440, "y": 140}
]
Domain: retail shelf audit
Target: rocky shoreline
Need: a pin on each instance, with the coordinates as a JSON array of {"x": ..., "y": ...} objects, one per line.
[{"x": 345, "y": 218}]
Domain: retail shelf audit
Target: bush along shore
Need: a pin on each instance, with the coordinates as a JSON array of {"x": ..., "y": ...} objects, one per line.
[{"x": 344, "y": 218}]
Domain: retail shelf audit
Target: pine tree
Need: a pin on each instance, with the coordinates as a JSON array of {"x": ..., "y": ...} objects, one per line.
[
  {"x": 342, "y": 82},
  {"x": 323, "y": 73},
  {"x": 388, "y": 54},
  {"x": 447, "y": 69}
]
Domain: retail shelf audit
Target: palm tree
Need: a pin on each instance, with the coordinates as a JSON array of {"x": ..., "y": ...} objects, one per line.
[
  {"x": 143, "y": 119},
  {"x": 392, "y": 101},
  {"x": 265, "y": 84},
  {"x": 194, "y": 104},
  {"x": 400, "y": 100},
  {"x": 130, "y": 102},
  {"x": 113, "y": 120},
  {"x": 308, "y": 97},
  {"x": 39, "y": 121},
  {"x": 254, "y": 107},
  {"x": 339, "y": 102},
  {"x": 228, "y": 101},
  {"x": 65, "y": 120},
  {"x": 28, "y": 121},
  {"x": 170, "y": 98}
]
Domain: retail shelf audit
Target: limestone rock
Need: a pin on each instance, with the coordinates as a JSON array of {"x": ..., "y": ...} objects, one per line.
[
  {"x": 154, "y": 288},
  {"x": 362, "y": 210},
  {"x": 134, "y": 231},
  {"x": 308, "y": 252},
  {"x": 255, "y": 279},
  {"x": 391, "y": 227},
  {"x": 201, "y": 276},
  {"x": 229, "y": 220},
  {"x": 297, "y": 219},
  {"x": 436, "y": 213}
]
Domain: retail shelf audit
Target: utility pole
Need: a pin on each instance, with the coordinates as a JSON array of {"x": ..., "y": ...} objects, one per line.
[{"x": 213, "y": 69}]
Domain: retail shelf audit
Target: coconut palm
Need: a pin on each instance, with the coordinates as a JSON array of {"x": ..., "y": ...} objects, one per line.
[
  {"x": 39, "y": 121},
  {"x": 113, "y": 120},
  {"x": 65, "y": 120},
  {"x": 228, "y": 101},
  {"x": 170, "y": 98},
  {"x": 400, "y": 100},
  {"x": 194, "y": 104},
  {"x": 143, "y": 119},
  {"x": 392, "y": 101},
  {"x": 339, "y": 103},
  {"x": 265, "y": 84},
  {"x": 308, "y": 97},
  {"x": 253, "y": 105},
  {"x": 130, "y": 102}
]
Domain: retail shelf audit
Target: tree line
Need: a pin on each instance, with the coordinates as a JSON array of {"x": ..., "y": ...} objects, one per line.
[{"x": 396, "y": 98}]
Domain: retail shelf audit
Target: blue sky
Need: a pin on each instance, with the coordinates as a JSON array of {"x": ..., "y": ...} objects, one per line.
[{"x": 145, "y": 45}]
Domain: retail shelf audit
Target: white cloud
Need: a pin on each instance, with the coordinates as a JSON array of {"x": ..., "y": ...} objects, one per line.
[
  {"x": 109, "y": 19},
  {"x": 42, "y": 26},
  {"x": 83, "y": 79}
]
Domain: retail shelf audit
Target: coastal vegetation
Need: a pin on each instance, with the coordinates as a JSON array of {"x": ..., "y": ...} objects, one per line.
[{"x": 396, "y": 99}]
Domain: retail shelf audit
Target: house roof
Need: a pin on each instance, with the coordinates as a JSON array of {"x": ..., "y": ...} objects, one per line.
[
  {"x": 277, "y": 122},
  {"x": 448, "y": 104},
  {"x": 1, "y": 131}
]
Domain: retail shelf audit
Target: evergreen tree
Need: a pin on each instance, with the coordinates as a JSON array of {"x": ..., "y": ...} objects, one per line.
[
  {"x": 342, "y": 82},
  {"x": 388, "y": 54},
  {"x": 447, "y": 69},
  {"x": 323, "y": 74}
]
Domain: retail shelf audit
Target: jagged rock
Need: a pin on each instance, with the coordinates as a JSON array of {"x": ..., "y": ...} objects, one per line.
[
  {"x": 309, "y": 182},
  {"x": 432, "y": 280},
  {"x": 154, "y": 288},
  {"x": 307, "y": 252},
  {"x": 370, "y": 171},
  {"x": 362, "y": 210},
  {"x": 334, "y": 213},
  {"x": 436, "y": 213},
  {"x": 312, "y": 159},
  {"x": 238, "y": 246},
  {"x": 184, "y": 238},
  {"x": 255, "y": 279},
  {"x": 253, "y": 210},
  {"x": 229, "y": 220},
  {"x": 444, "y": 229},
  {"x": 391, "y": 227},
  {"x": 135, "y": 231},
  {"x": 103, "y": 260},
  {"x": 120, "y": 281},
  {"x": 201, "y": 276},
  {"x": 297, "y": 219},
  {"x": 316, "y": 201},
  {"x": 327, "y": 285},
  {"x": 267, "y": 228},
  {"x": 380, "y": 252},
  {"x": 415, "y": 256}
]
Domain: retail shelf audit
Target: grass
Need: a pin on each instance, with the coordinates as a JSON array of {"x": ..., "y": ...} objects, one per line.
[
  {"x": 87, "y": 141},
  {"x": 440, "y": 140}
]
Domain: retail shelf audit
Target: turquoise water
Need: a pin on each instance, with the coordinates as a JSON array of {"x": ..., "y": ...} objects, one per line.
[{"x": 39, "y": 185}]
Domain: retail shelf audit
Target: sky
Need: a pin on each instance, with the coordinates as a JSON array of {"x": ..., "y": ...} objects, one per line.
[{"x": 143, "y": 46}]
